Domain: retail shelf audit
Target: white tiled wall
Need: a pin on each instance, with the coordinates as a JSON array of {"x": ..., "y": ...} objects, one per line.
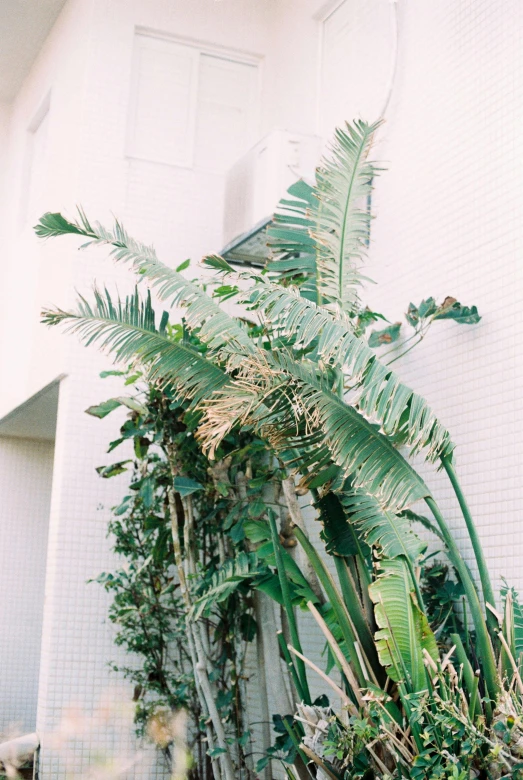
[
  {"x": 450, "y": 222},
  {"x": 25, "y": 489},
  {"x": 449, "y": 216}
]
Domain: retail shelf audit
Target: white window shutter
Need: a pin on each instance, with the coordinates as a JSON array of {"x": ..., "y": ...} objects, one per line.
[
  {"x": 162, "y": 108},
  {"x": 225, "y": 122}
]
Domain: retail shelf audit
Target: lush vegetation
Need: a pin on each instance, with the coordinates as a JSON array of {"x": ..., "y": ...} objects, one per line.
[{"x": 420, "y": 694}]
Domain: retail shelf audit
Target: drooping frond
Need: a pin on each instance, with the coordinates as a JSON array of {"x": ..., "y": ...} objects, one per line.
[
  {"x": 404, "y": 629},
  {"x": 342, "y": 218},
  {"x": 294, "y": 408},
  {"x": 380, "y": 394},
  {"x": 391, "y": 532},
  {"x": 127, "y": 330},
  {"x": 216, "y": 329}
]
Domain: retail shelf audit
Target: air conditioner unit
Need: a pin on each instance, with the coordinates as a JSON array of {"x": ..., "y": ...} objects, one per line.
[{"x": 260, "y": 178}]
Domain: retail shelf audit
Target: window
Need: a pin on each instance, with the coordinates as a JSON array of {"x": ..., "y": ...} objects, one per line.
[
  {"x": 33, "y": 191},
  {"x": 190, "y": 107}
]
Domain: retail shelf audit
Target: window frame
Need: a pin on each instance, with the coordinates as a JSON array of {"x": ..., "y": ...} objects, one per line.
[
  {"x": 200, "y": 48},
  {"x": 39, "y": 116}
]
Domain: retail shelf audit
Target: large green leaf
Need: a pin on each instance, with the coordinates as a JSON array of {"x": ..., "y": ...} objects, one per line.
[
  {"x": 127, "y": 330},
  {"x": 342, "y": 218},
  {"x": 391, "y": 532},
  {"x": 355, "y": 445},
  {"x": 404, "y": 631},
  {"x": 337, "y": 534},
  {"x": 379, "y": 392}
]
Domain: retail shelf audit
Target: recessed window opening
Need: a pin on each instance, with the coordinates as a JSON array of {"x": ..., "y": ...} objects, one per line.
[{"x": 35, "y": 174}]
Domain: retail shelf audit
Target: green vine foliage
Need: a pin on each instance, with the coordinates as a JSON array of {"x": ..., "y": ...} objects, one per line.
[{"x": 147, "y": 607}]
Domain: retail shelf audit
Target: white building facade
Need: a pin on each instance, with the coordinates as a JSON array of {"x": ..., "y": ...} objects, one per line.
[{"x": 187, "y": 119}]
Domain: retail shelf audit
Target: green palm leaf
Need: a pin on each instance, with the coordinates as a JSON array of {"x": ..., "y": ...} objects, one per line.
[
  {"x": 404, "y": 631},
  {"x": 127, "y": 329},
  {"x": 342, "y": 219},
  {"x": 290, "y": 241},
  {"x": 216, "y": 329},
  {"x": 224, "y": 582},
  {"x": 322, "y": 232},
  {"x": 292, "y": 406},
  {"x": 391, "y": 532},
  {"x": 380, "y": 394}
]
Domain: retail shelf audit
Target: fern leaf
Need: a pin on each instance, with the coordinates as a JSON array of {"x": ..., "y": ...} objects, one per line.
[{"x": 229, "y": 577}]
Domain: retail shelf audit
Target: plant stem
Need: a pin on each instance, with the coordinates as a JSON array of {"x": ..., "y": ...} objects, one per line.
[
  {"x": 486, "y": 651},
  {"x": 486, "y": 585},
  {"x": 340, "y": 610},
  {"x": 355, "y": 610},
  {"x": 414, "y": 582},
  {"x": 287, "y": 602},
  {"x": 290, "y": 664}
]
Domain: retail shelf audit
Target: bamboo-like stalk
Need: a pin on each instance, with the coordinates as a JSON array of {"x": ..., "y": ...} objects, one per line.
[
  {"x": 486, "y": 585},
  {"x": 512, "y": 661},
  {"x": 486, "y": 651},
  {"x": 336, "y": 601},
  {"x": 287, "y": 602},
  {"x": 262, "y": 680},
  {"x": 343, "y": 696},
  {"x": 342, "y": 661},
  {"x": 199, "y": 661}
]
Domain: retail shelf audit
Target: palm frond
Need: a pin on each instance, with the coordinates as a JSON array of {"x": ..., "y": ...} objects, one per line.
[
  {"x": 404, "y": 632},
  {"x": 322, "y": 232},
  {"x": 391, "y": 532},
  {"x": 294, "y": 408},
  {"x": 380, "y": 394},
  {"x": 225, "y": 581},
  {"x": 216, "y": 329},
  {"x": 289, "y": 239},
  {"x": 342, "y": 218},
  {"x": 127, "y": 330}
]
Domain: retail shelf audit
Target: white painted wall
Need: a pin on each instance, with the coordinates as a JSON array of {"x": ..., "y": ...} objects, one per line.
[
  {"x": 25, "y": 492},
  {"x": 86, "y": 68},
  {"x": 448, "y": 222}
]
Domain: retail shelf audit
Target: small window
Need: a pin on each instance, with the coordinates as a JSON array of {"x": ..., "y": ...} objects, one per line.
[
  {"x": 190, "y": 107},
  {"x": 356, "y": 61},
  {"x": 35, "y": 174}
]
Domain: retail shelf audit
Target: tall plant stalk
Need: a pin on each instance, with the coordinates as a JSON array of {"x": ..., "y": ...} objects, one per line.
[
  {"x": 488, "y": 591},
  {"x": 483, "y": 637}
]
